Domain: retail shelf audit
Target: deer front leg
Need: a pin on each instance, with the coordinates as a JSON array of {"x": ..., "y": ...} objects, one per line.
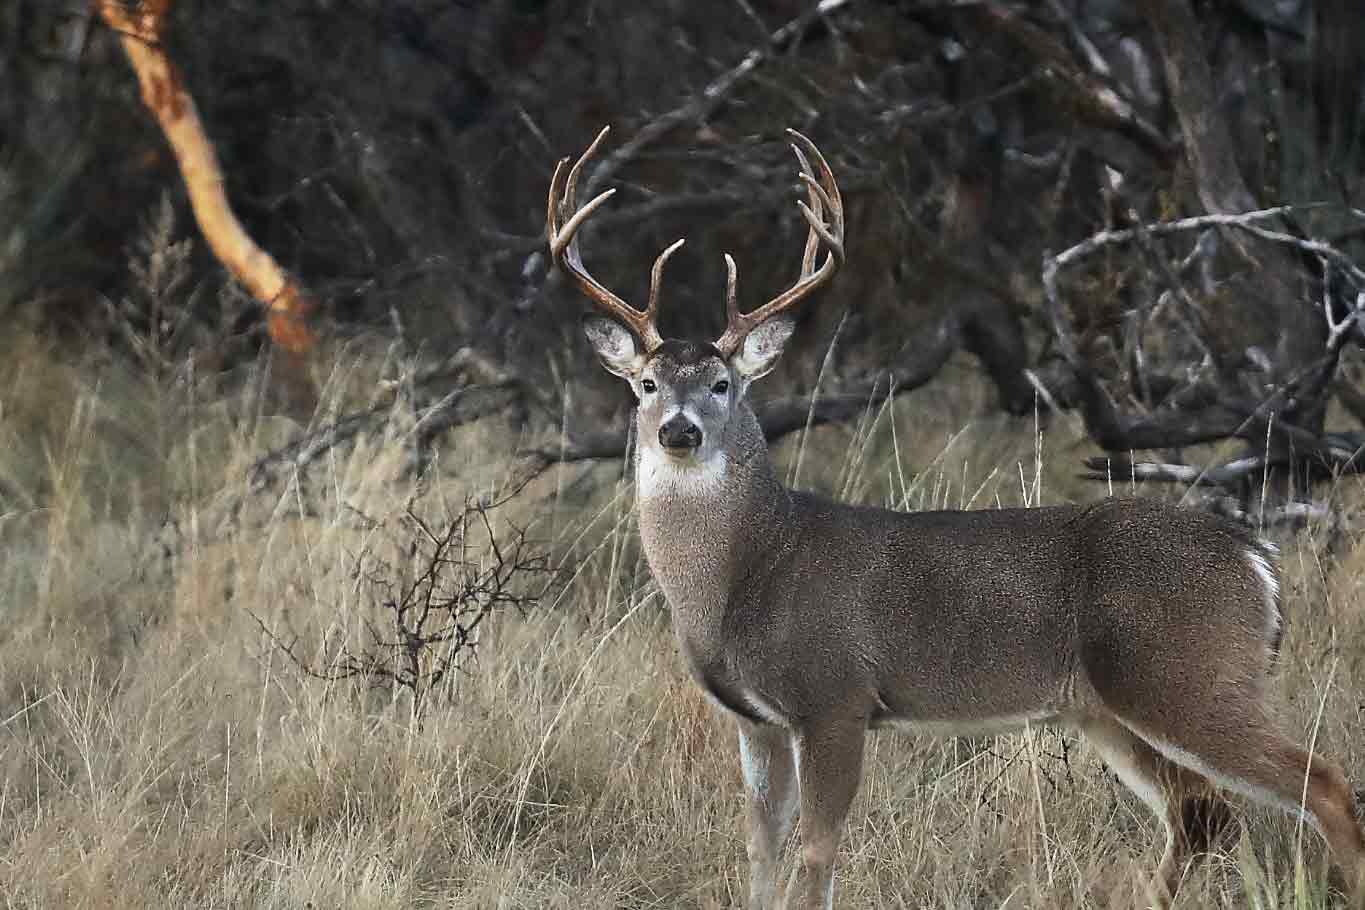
[
  {"x": 829, "y": 767},
  {"x": 767, "y": 761}
]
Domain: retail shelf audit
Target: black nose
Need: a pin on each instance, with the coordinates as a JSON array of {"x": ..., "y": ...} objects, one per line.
[{"x": 678, "y": 432}]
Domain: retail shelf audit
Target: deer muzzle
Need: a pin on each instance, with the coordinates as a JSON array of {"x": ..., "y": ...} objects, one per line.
[{"x": 678, "y": 435}]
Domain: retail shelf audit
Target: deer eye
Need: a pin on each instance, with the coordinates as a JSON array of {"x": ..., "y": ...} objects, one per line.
[
  {"x": 648, "y": 385},
  {"x": 721, "y": 387}
]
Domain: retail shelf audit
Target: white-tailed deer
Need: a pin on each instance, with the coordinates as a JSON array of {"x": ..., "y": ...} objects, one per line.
[{"x": 1150, "y": 629}]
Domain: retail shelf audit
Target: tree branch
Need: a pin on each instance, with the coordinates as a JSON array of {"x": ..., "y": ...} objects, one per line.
[
  {"x": 1244, "y": 220},
  {"x": 1218, "y": 179},
  {"x": 288, "y": 305},
  {"x": 709, "y": 98},
  {"x": 1093, "y": 98}
]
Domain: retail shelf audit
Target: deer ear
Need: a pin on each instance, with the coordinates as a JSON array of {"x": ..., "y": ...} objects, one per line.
[
  {"x": 615, "y": 346},
  {"x": 758, "y": 353}
]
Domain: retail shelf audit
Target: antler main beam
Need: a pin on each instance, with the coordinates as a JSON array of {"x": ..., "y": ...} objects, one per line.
[
  {"x": 822, "y": 196},
  {"x": 563, "y": 220}
]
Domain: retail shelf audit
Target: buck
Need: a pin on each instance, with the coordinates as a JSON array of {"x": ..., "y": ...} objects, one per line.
[{"x": 1151, "y": 630}]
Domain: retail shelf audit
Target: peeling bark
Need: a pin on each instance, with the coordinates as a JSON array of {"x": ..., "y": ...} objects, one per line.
[{"x": 288, "y": 305}]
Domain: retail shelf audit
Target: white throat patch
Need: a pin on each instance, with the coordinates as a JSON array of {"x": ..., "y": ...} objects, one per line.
[{"x": 659, "y": 474}]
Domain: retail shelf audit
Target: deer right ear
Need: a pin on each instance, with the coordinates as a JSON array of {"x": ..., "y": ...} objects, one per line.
[
  {"x": 759, "y": 350},
  {"x": 615, "y": 346}
]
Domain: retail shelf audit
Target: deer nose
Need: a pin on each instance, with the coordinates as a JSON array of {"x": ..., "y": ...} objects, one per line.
[{"x": 677, "y": 432}]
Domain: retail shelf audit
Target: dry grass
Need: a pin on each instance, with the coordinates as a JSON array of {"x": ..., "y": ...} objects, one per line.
[{"x": 158, "y": 752}]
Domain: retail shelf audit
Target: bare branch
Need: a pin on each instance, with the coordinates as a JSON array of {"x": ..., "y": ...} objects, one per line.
[
  {"x": 482, "y": 390},
  {"x": 423, "y": 621},
  {"x": 1244, "y": 220},
  {"x": 1089, "y": 53},
  {"x": 1212, "y": 156},
  {"x": 1092, "y": 96},
  {"x": 703, "y": 103},
  {"x": 1218, "y": 421}
]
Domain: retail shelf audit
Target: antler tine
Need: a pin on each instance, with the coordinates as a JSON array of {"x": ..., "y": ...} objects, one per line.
[
  {"x": 731, "y": 289},
  {"x": 564, "y": 199},
  {"x": 564, "y": 239},
  {"x": 656, "y": 275},
  {"x": 815, "y": 209},
  {"x": 823, "y": 193},
  {"x": 571, "y": 188},
  {"x": 562, "y": 224},
  {"x": 826, "y": 188}
]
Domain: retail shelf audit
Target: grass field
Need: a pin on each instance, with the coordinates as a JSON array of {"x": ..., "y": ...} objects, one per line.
[{"x": 158, "y": 750}]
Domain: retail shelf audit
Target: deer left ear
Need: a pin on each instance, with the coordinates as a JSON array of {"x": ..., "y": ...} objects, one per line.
[
  {"x": 615, "y": 346},
  {"x": 761, "y": 348}
]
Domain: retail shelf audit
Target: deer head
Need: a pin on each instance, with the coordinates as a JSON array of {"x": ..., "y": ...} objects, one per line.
[{"x": 689, "y": 392}]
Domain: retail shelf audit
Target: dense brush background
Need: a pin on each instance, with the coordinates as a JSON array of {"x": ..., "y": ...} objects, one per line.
[{"x": 159, "y": 747}]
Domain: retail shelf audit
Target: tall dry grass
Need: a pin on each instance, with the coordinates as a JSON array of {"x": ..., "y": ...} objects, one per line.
[{"x": 157, "y": 751}]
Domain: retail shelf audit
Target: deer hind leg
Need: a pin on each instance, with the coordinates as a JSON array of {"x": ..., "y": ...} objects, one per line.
[
  {"x": 1240, "y": 750},
  {"x": 768, "y": 763},
  {"x": 829, "y": 760},
  {"x": 1183, "y": 800}
]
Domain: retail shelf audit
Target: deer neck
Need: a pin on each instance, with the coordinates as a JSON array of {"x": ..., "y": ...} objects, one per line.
[{"x": 706, "y": 526}]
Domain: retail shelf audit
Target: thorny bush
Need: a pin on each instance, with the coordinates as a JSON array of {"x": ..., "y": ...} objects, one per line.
[{"x": 421, "y": 619}]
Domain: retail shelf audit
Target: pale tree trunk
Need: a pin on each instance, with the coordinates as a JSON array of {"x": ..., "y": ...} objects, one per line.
[{"x": 288, "y": 304}]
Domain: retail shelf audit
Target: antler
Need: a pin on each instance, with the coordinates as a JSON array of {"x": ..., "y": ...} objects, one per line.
[
  {"x": 563, "y": 223},
  {"x": 823, "y": 193}
]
